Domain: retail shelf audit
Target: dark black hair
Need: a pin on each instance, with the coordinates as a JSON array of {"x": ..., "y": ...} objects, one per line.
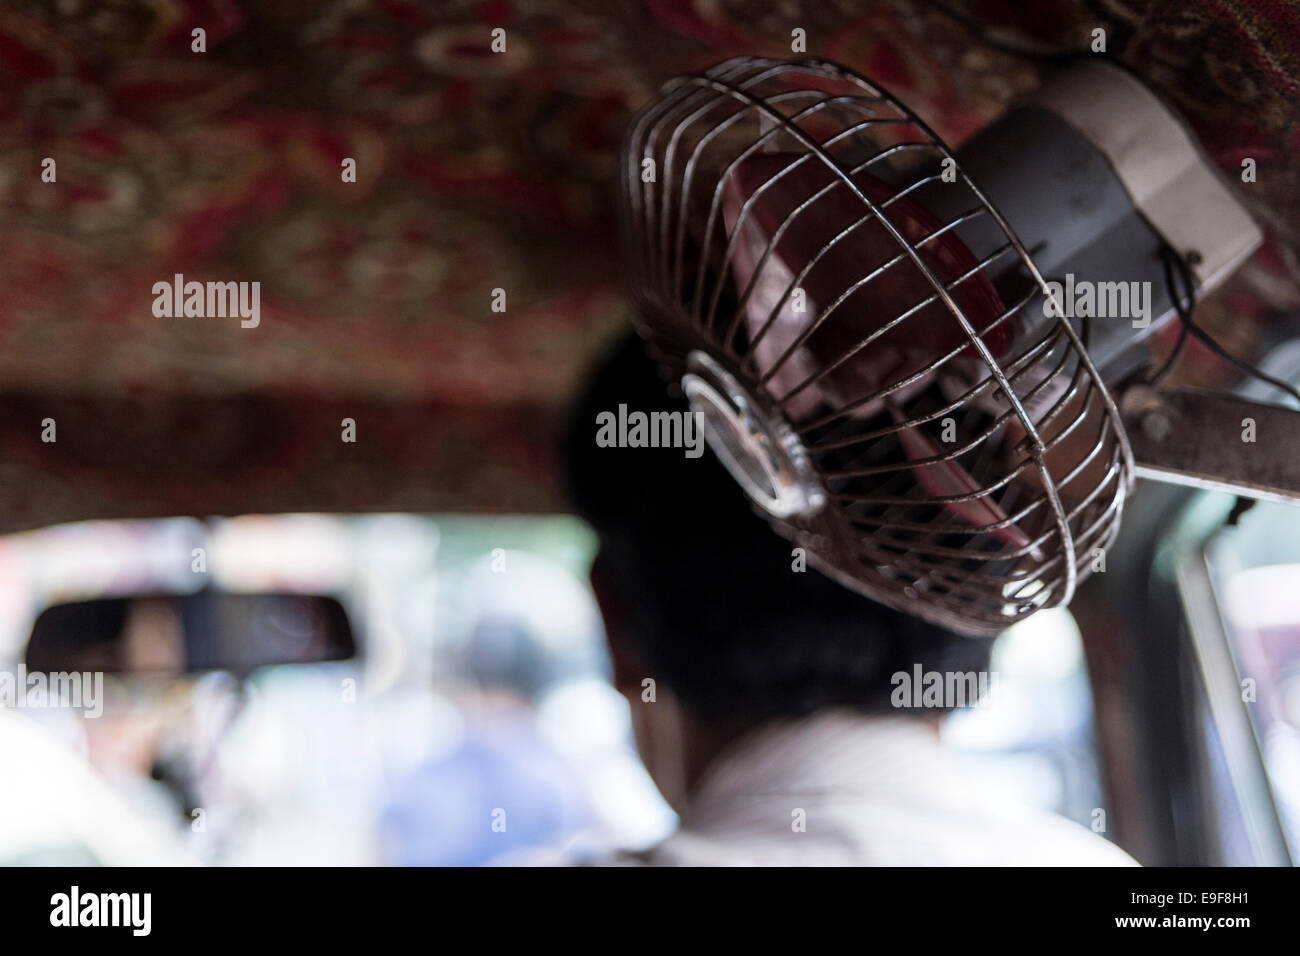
[{"x": 712, "y": 600}]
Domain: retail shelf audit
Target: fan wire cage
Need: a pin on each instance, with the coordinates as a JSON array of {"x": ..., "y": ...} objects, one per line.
[{"x": 875, "y": 357}]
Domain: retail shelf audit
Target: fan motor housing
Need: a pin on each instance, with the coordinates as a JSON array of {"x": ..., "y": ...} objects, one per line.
[{"x": 1098, "y": 177}]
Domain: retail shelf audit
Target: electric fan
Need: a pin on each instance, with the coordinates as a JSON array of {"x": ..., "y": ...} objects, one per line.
[{"x": 910, "y": 357}]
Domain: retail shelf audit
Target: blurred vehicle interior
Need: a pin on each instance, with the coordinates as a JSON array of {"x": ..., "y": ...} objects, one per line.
[{"x": 311, "y": 645}]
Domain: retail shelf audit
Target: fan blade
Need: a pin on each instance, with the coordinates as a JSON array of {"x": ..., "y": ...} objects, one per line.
[
  {"x": 947, "y": 478},
  {"x": 786, "y": 184},
  {"x": 776, "y": 320}
]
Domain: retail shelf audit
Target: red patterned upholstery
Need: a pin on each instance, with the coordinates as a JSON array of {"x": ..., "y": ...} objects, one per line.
[{"x": 475, "y": 171}]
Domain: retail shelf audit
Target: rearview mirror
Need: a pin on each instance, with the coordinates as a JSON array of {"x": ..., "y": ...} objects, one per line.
[{"x": 177, "y": 634}]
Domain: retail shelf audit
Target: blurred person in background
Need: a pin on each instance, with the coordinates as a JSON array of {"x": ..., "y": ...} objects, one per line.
[
  {"x": 770, "y": 729},
  {"x": 501, "y": 793}
]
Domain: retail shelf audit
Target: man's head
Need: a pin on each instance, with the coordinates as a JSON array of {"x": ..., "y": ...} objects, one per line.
[{"x": 702, "y": 596}]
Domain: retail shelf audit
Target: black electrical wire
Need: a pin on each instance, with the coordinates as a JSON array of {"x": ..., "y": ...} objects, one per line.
[{"x": 1184, "y": 303}]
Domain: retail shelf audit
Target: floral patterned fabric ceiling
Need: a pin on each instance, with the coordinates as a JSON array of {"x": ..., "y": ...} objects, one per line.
[{"x": 475, "y": 171}]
